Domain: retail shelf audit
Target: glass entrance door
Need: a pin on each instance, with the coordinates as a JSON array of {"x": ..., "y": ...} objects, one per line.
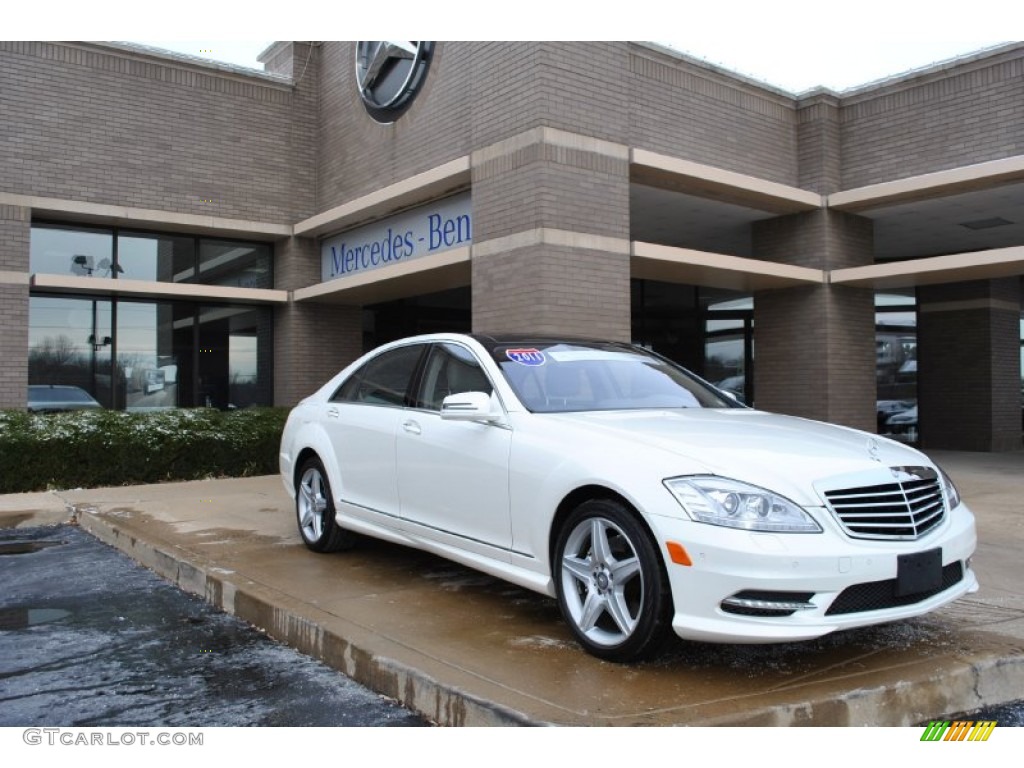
[{"x": 729, "y": 354}]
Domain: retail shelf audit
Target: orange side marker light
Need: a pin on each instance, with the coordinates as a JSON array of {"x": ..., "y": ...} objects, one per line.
[{"x": 678, "y": 553}]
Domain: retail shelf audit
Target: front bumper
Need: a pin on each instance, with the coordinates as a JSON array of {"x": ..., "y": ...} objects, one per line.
[{"x": 728, "y": 562}]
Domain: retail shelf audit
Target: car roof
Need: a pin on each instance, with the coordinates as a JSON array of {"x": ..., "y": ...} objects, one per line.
[{"x": 492, "y": 340}]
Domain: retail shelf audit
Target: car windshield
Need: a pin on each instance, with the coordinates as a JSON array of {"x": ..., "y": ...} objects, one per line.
[{"x": 592, "y": 376}]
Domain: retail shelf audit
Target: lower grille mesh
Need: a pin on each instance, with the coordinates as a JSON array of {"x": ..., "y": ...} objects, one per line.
[{"x": 878, "y": 595}]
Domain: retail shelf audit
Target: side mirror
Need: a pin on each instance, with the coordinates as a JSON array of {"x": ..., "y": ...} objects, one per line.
[{"x": 468, "y": 406}]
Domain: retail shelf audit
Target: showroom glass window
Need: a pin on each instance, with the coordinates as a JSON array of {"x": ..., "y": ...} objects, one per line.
[
  {"x": 82, "y": 252},
  {"x": 150, "y": 354},
  {"x": 896, "y": 365},
  {"x": 59, "y": 249}
]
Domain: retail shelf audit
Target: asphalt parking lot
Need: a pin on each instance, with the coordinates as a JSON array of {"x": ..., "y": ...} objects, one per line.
[{"x": 89, "y": 638}]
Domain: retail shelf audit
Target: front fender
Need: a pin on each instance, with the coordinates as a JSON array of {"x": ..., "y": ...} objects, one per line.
[{"x": 542, "y": 475}]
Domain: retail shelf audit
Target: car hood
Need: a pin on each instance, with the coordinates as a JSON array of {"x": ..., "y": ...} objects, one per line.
[{"x": 783, "y": 453}]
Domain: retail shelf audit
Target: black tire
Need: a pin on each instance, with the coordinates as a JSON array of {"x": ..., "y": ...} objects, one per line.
[
  {"x": 314, "y": 510},
  {"x": 616, "y": 598}
]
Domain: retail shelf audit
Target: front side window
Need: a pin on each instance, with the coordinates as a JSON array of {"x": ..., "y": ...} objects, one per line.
[
  {"x": 451, "y": 369},
  {"x": 384, "y": 380}
]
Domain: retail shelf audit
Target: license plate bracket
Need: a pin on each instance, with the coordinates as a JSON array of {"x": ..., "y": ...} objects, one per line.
[{"x": 919, "y": 572}]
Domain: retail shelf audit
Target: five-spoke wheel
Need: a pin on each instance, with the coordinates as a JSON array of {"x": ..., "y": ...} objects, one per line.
[
  {"x": 315, "y": 510},
  {"x": 611, "y": 585}
]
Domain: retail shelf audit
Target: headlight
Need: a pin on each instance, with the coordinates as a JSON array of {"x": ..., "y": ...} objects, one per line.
[
  {"x": 719, "y": 501},
  {"x": 952, "y": 494}
]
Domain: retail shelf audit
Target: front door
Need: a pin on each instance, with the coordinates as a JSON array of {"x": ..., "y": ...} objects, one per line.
[{"x": 453, "y": 475}]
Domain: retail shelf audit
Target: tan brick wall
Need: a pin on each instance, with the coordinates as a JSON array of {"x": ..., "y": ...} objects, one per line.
[
  {"x": 312, "y": 342},
  {"x": 815, "y": 350},
  {"x": 86, "y": 123},
  {"x": 478, "y": 93},
  {"x": 14, "y": 240},
  {"x": 940, "y": 120},
  {"x": 552, "y": 290},
  {"x": 571, "y": 280}
]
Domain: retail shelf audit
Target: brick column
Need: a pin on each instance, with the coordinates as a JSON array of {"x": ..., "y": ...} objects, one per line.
[
  {"x": 814, "y": 350},
  {"x": 968, "y": 367},
  {"x": 312, "y": 341},
  {"x": 815, "y": 346},
  {"x": 15, "y": 230},
  {"x": 551, "y": 236}
]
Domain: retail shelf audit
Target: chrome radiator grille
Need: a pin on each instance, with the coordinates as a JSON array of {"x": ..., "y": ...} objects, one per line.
[{"x": 905, "y": 509}]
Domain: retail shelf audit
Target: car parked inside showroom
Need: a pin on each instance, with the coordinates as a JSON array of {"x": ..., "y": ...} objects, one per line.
[
  {"x": 56, "y": 398},
  {"x": 643, "y": 499}
]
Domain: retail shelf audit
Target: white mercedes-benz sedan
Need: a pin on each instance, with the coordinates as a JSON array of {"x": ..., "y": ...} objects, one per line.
[{"x": 639, "y": 496}]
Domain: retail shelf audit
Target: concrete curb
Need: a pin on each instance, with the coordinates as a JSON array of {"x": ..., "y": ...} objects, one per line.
[{"x": 256, "y": 604}]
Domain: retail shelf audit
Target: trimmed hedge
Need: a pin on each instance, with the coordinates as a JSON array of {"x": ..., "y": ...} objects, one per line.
[{"x": 90, "y": 449}]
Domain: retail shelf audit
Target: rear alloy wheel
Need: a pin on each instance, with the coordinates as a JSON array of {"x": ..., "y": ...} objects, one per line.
[
  {"x": 314, "y": 508},
  {"x": 611, "y": 583}
]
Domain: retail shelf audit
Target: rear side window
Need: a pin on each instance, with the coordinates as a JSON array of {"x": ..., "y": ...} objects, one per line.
[{"x": 384, "y": 380}]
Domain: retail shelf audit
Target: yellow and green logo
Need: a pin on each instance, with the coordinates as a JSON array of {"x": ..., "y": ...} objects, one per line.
[{"x": 958, "y": 730}]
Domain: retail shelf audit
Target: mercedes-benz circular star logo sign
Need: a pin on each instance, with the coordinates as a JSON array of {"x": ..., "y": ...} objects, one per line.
[{"x": 390, "y": 74}]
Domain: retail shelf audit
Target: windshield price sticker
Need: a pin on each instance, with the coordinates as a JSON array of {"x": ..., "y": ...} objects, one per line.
[{"x": 525, "y": 356}]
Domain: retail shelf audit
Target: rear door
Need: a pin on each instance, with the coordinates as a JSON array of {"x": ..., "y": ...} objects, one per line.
[{"x": 362, "y": 419}]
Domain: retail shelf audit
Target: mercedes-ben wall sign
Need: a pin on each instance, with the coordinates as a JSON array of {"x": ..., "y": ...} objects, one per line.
[{"x": 390, "y": 73}]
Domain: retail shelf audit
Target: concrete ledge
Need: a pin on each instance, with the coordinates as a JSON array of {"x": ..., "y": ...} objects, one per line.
[
  {"x": 674, "y": 173},
  {"x": 427, "y": 274},
  {"x": 952, "y": 268},
  {"x": 23, "y": 510},
  {"x": 152, "y": 289},
  {"x": 168, "y": 221},
  {"x": 716, "y": 270},
  {"x": 556, "y": 237},
  {"x": 929, "y": 185},
  {"x": 421, "y": 188},
  {"x": 308, "y": 632}
]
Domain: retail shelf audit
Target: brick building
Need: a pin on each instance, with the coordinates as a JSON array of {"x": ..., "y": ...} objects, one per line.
[{"x": 175, "y": 232}]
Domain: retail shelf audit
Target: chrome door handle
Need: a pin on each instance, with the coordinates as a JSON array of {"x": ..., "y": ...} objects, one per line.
[
  {"x": 412, "y": 427},
  {"x": 332, "y": 413}
]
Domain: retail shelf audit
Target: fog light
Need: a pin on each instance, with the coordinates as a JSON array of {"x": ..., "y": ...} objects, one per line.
[{"x": 751, "y": 602}]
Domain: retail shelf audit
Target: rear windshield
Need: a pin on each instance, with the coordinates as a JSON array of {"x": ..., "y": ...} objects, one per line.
[{"x": 561, "y": 377}]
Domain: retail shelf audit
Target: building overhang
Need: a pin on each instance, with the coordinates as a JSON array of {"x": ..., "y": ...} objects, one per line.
[
  {"x": 146, "y": 289},
  {"x": 432, "y": 184},
  {"x": 716, "y": 270},
  {"x": 428, "y": 274},
  {"x": 673, "y": 173},
  {"x": 930, "y": 185},
  {"x": 145, "y": 218},
  {"x": 951, "y": 268}
]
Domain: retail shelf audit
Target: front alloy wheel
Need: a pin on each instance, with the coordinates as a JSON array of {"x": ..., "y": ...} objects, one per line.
[{"x": 611, "y": 584}]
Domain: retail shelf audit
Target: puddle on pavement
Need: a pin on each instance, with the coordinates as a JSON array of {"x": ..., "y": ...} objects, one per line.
[
  {"x": 25, "y": 547},
  {"x": 22, "y": 618}
]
